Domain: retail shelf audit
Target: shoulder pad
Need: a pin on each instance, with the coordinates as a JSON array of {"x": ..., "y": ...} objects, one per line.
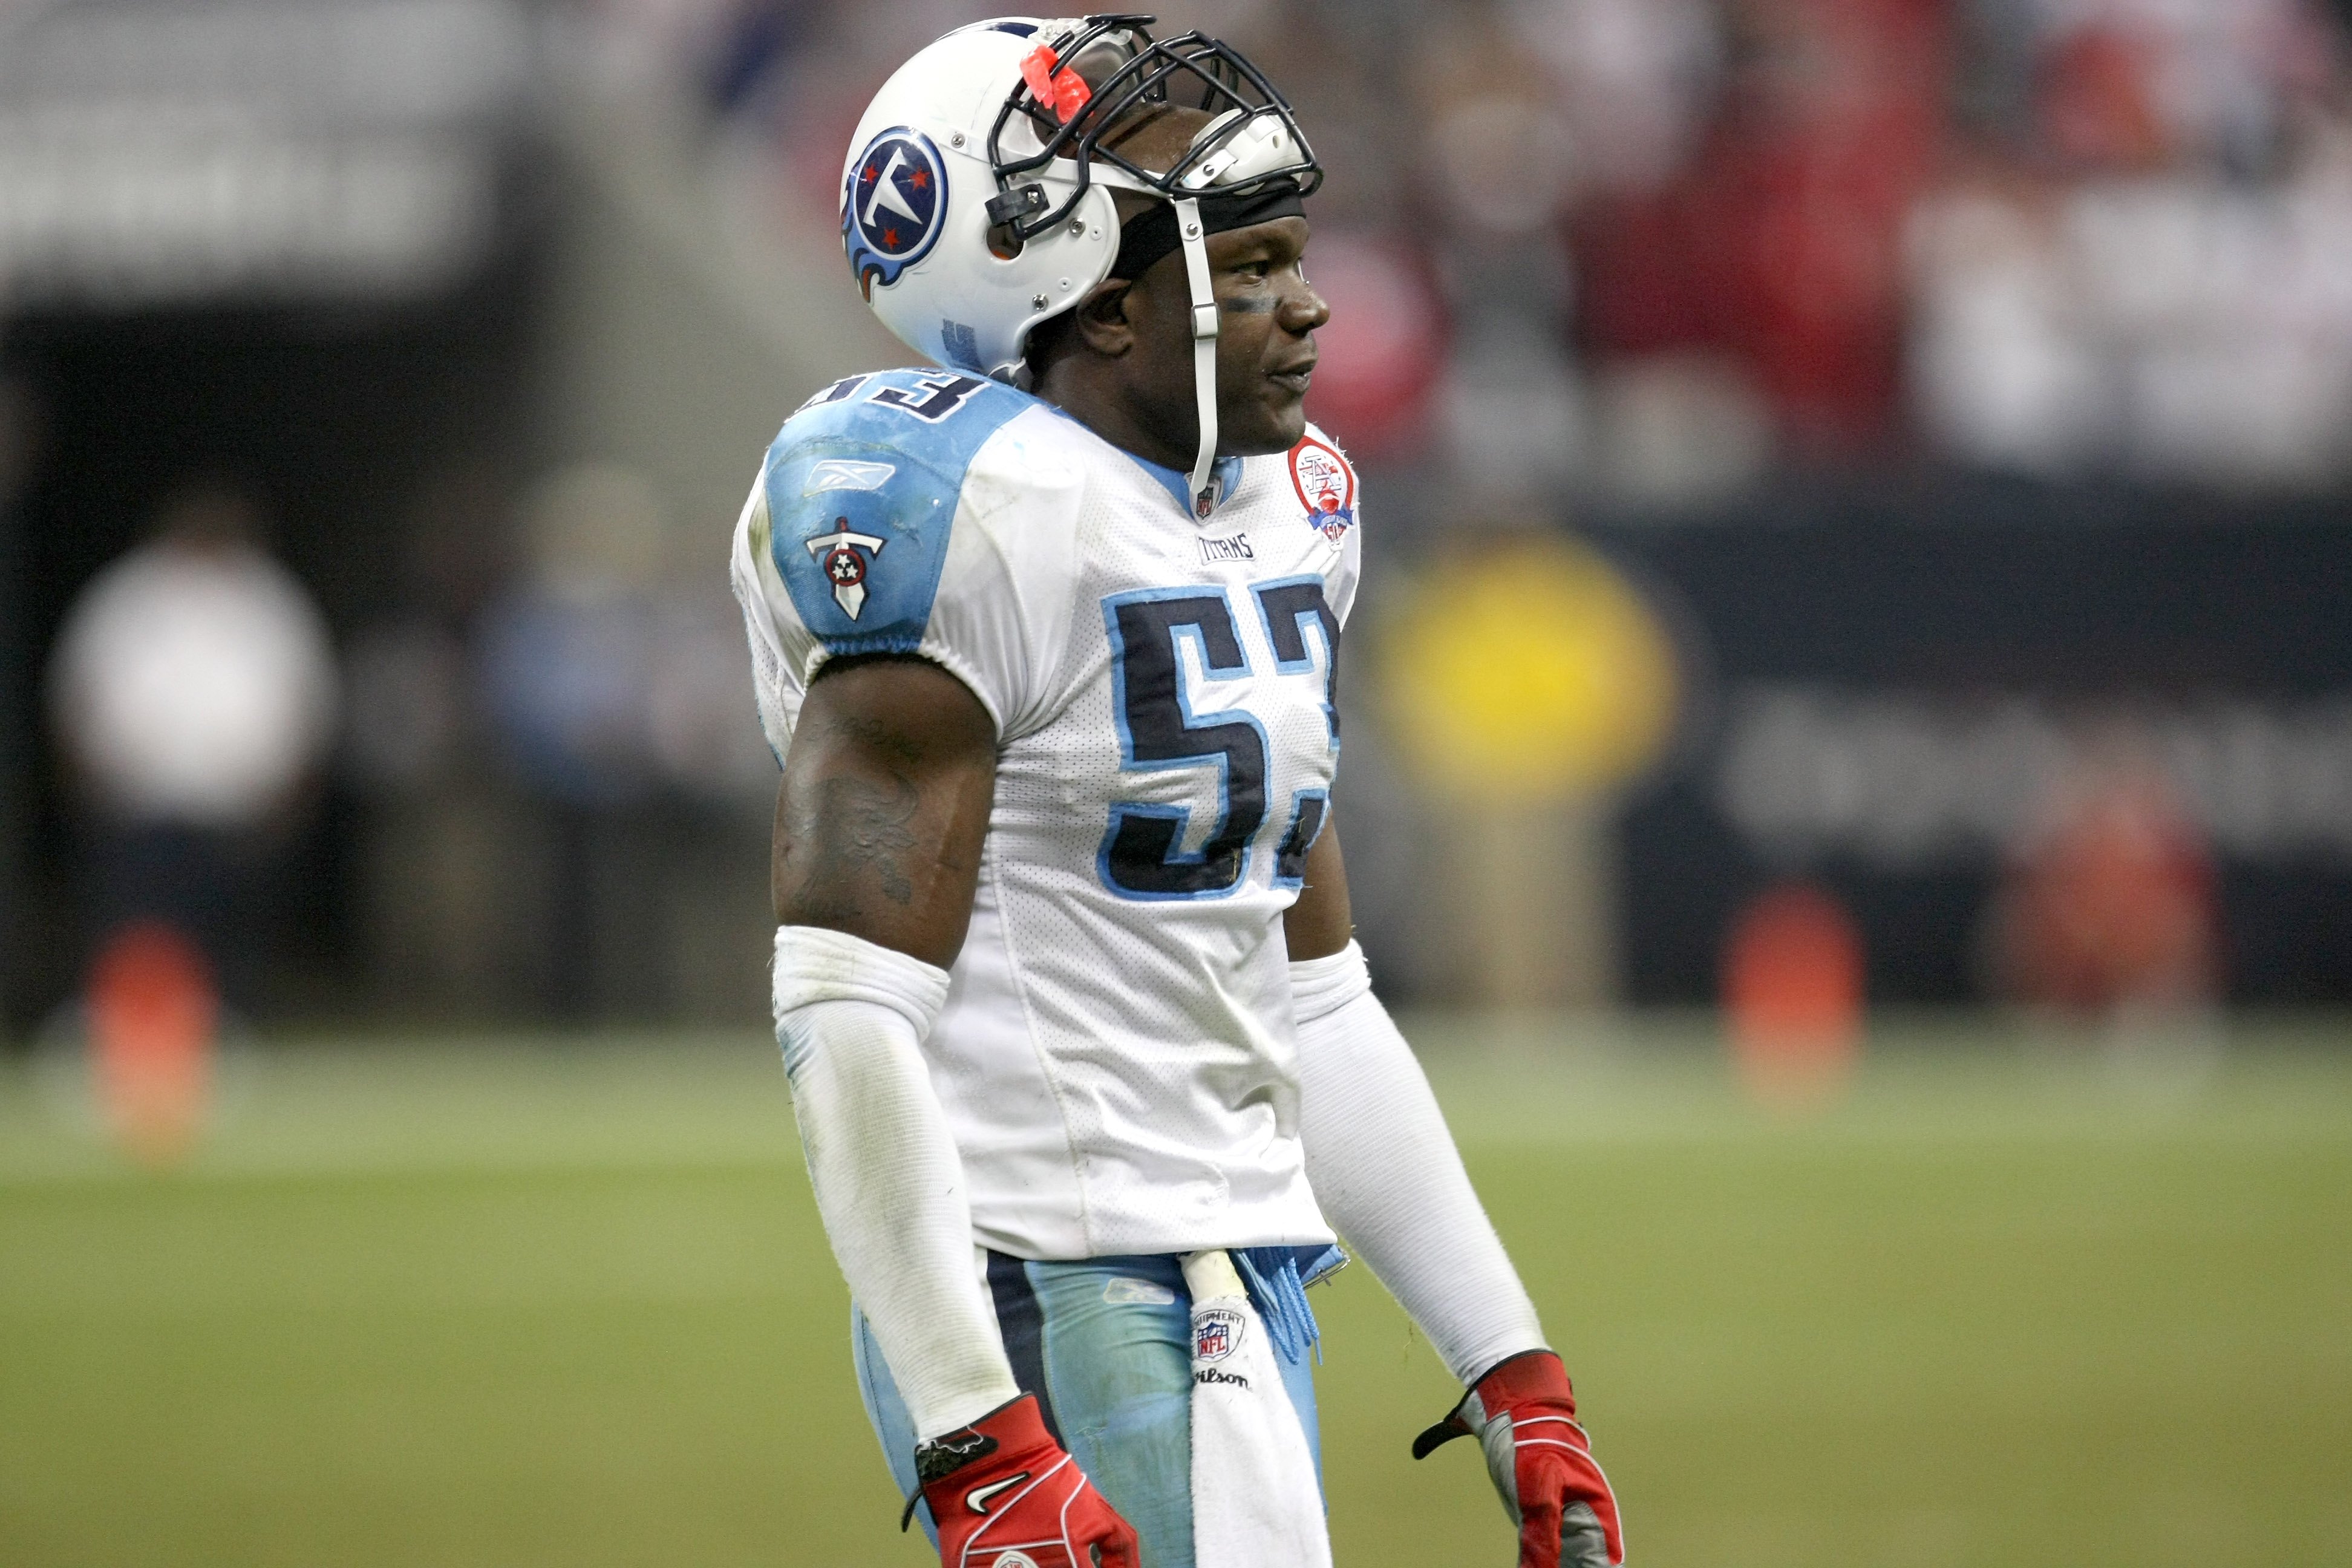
[{"x": 861, "y": 487}]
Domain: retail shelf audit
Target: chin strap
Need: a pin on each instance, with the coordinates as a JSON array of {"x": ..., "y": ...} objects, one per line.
[{"x": 1205, "y": 348}]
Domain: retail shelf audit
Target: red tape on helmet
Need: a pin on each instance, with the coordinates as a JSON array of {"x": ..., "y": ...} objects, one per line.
[{"x": 1064, "y": 90}]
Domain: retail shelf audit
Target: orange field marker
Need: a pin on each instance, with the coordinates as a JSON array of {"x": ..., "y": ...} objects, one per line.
[{"x": 154, "y": 1017}]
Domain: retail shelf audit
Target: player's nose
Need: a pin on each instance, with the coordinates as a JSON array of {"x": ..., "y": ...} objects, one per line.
[{"x": 1302, "y": 310}]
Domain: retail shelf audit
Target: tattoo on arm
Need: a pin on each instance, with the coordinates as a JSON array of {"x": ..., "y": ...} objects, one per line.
[
  {"x": 846, "y": 830},
  {"x": 901, "y": 749},
  {"x": 883, "y": 807}
]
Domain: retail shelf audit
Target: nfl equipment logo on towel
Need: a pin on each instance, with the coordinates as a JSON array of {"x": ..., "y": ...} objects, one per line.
[{"x": 1215, "y": 1334}]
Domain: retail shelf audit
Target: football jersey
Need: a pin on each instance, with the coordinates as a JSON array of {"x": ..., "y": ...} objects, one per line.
[{"x": 1116, "y": 1055}]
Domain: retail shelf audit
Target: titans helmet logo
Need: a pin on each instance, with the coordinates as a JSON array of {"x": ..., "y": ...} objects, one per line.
[{"x": 893, "y": 202}]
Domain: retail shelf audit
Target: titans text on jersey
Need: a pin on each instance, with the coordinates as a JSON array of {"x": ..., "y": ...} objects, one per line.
[{"x": 1115, "y": 1057}]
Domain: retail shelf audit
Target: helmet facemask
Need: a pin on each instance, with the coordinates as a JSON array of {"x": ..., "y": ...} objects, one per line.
[{"x": 1083, "y": 87}]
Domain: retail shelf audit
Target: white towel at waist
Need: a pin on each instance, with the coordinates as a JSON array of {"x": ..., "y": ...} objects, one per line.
[{"x": 1256, "y": 1503}]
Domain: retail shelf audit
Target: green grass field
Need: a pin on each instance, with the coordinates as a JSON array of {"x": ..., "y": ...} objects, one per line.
[{"x": 549, "y": 1303}]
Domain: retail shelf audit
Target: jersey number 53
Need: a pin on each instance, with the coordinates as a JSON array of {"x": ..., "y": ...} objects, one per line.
[{"x": 1142, "y": 854}]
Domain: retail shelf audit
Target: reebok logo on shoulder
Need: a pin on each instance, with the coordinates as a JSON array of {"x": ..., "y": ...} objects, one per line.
[{"x": 846, "y": 474}]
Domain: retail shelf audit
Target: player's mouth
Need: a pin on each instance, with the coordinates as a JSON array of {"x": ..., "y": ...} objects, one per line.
[{"x": 1294, "y": 380}]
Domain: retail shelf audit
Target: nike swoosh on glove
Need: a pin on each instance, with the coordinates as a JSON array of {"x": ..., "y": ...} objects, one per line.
[
  {"x": 1002, "y": 1488},
  {"x": 1523, "y": 1413}
]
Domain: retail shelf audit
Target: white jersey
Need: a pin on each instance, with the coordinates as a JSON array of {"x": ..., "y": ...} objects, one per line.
[{"x": 1116, "y": 1055}]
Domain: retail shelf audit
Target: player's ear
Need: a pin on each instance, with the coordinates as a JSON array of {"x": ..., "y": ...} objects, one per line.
[{"x": 1102, "y": 319}]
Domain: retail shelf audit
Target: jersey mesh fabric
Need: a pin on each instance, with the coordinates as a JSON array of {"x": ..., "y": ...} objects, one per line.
[{"x": 1119, "y": 1064}]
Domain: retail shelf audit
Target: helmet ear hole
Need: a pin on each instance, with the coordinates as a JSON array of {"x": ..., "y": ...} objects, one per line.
[{"x": 1005, "y": 210}]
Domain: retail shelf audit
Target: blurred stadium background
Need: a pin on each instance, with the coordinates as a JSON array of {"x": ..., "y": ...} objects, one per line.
[{"x": 1859, "y": 549}]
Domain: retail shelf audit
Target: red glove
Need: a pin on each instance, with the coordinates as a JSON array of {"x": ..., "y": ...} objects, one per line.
[
  {"x": 1524, "y": 1414},
  {"x": 1005, "y": 1495}
]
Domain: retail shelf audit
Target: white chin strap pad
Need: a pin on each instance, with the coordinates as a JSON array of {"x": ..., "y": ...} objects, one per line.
[{"x": 1204, "y": 347}]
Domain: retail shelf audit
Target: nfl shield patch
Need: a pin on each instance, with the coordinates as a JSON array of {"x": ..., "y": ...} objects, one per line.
[{"x": 1216, "y": 1333}]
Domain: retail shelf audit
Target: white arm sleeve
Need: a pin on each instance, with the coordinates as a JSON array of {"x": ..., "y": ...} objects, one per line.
[
  {"x": 1386, "y": 1171},
  {"x": 851, "y": 1017}
]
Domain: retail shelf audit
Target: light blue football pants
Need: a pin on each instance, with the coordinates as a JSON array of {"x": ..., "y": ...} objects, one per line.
[{"x": 1105, "y": 1346}]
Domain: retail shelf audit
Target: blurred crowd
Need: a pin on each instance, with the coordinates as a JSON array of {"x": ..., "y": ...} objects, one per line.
[
  {"x": 1610, "y": 259},
  {"x": 556, "y": 754},
  {"x": 571, "y": 719},
  {"x": 1647, "y": 250}
]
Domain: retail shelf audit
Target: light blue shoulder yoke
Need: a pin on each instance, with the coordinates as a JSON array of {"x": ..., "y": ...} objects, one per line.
[{"x": 863, "y": 483}]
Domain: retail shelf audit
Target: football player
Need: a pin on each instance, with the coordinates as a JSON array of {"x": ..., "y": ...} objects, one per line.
[{"x": 1046, "y": 638}]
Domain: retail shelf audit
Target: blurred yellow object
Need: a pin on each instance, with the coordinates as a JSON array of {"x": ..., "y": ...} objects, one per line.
[{"x": 1528, "y": 672}]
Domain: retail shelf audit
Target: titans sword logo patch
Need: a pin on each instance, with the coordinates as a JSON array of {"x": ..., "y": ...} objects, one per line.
[{"x": 844, "y": 566}]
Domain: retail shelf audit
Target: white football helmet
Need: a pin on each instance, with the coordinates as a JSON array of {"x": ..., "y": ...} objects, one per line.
[{"x": 976, "y": 198}]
